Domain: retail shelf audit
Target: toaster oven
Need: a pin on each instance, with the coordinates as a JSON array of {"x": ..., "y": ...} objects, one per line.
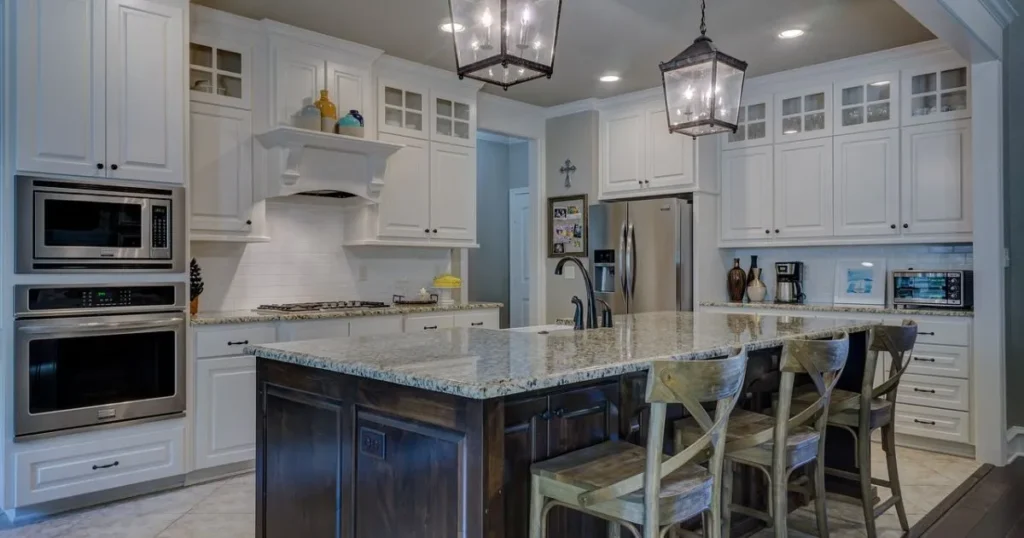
[{"x": 936, "y": 289}]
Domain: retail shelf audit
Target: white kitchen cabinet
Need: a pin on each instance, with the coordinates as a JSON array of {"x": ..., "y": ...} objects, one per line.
[
  {"x": 934, "y": 93},
  {"x": 453, "y": 120},
  {"x": 298, "y": 75},
  {"x": 747, "y": 193},
  {"x": 803, "y": 189},
  {"x": 403, "y": 109},
  {"x": 867, "y": 104},
  {"x": 125, "y": 59},
  {"x": 452, "y": 192},
  {"x": 225, "y": 428},
  {"x": 803, "y": 115},
  {"x": 754, "y": 125},
  {"x": 404, "y": 208},
  {"x": 480, "y": 319},
  {"x": 429, "y": 322},
  {"x": 935, "y": 182},
  {"x": 866, "y": 183},
  {"x": 622, "y": 151},
  {"x": 373, "y": 325},
  {"x": 222, "y": 181},
  {"x": 668, "y": 157},
  {"x": 219, "y": 71}
]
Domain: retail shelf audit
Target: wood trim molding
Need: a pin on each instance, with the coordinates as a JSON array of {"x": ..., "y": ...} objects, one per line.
[{"x": 1003, "y": 11}]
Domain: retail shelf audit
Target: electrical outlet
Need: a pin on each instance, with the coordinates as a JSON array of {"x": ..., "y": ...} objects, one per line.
[{"x": 569, "y": 272}]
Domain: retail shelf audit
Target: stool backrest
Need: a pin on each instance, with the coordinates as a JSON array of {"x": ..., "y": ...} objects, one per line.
[
  {"x": 898, "y": 342},
  {"x": 688, "y": 382}
]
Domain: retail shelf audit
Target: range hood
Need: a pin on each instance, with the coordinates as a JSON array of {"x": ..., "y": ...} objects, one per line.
[{"x": 312, "y": 163}]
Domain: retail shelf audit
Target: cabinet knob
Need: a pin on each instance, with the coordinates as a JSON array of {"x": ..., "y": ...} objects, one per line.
[
  {"x": 647, "y": 182},
  {"x": 248, "y": 222},
  {"x": 767, "y": 231},
  {"x": 776, "y": 230},
  {"x": 426, "y": 230},
  {"x": 893, "y": 226},
  {"x": 641, "y": 182},
  {"x": 99, "y": 166},
  {"x": 905, "y": 225},
  {"x": 434, "y": 230},
  {"x": 113, "y": 167}
]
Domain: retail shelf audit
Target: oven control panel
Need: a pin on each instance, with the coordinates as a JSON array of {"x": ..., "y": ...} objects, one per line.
[
  {"x": 93, "y": 297},
  {"x": 160, "y": 227}
]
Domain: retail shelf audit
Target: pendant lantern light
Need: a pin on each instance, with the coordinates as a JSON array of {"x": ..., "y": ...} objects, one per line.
[{"x": 702, "y": 87}]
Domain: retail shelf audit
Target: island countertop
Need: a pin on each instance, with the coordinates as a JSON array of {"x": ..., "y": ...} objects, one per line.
[{"x": 483, "y": 363}]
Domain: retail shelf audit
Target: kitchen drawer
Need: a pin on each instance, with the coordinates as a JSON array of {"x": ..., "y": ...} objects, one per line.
[
  {"x": 374, "y": 325},
  {"x": 417, "y": 323},
  {"x": 229, "y": 340},
  {"x": 942, "y": 424},
  {"x": 312, "y": 329},
  {"x": 944, "y": 392},
  {"x": 485, "y": 319},
  {"x": 932, "y": 331},
  {"x": 114, "y": 461},
  {"x": 945, "y": 361}
]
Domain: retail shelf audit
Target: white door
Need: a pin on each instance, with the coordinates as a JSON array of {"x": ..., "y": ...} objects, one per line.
[
  {"x": 404, "y": 209},
  {"x": 867, "y": 104},
  {"x": 669, "y": 158},
  {"x": 225, "y": 414},
  {"x": 936, "y": 93},
  {"x": 145, "y": 91},
  {"x": 754, "y": 124},
  {"x": 221, "y": 179},
  {"x": 622, "y": 148},
  {"x": 936, "y": 179},
  {"x": 453, "y": 120},
  {"x": 350, "y": 89},
  {"x": 60, "y": 103},
  {"x": 747, "y": 193},
  {"x": 802, "y": 115},
  {"x": 403, "y": 109},
  {"x": 298, "y": 75},
  {"x": 803, "y": 189},
  {"x": 452, "y": 192},
  {"x": 519, "y": 257},
  {"x": 867, "y": 183}
]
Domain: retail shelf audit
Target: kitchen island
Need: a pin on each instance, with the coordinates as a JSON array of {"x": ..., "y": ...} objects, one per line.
[{"x": 432, "y": 435}]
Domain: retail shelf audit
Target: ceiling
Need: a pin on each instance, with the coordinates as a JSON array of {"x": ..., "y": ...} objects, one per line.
[{"x": 625, "y": 37}]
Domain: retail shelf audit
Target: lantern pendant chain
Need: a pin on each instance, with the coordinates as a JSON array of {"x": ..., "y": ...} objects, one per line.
[{"x": 703, "y": 26}]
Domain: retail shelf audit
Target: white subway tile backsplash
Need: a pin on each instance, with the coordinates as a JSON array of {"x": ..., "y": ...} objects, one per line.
[
  {"x": 820, "y": 262},
  {"x": 304, "y": 261}
]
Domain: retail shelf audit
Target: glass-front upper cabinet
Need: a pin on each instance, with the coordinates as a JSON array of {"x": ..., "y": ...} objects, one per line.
[
  {"x": 867, "y": 104},
  {"x": 218, "y": 73},
  {"x": 454, "y": 120},
  {"x": 753, "y": 125},
  {"x": 402, "y": 109},
  {"x": 803, "y": 115},
  {"x": 936, "y": 93}
]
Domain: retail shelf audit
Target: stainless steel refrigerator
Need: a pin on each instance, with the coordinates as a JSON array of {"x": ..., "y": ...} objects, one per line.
[{"x": 641, "y": 254}]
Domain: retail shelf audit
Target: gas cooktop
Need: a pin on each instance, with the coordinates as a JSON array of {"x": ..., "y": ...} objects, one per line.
[{"x": 325, "y": 306}]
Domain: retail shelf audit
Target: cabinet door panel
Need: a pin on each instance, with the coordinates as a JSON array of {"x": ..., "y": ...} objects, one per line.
[
  {"x": 803, "y": 189},
  {"x": 60, "y": 45},
  {"x": 349, "y": 89},
  {"x": 221, "y": 180},
  {"x": 452, "y": 192},
  {"x": 936, "y": 178},
  {"x": 298, "y": 79},
  {"x": 225, "y": 414},
  {"x": 526, "y": 438},
  {"x": 747, "y": 193},
  {"x": 404, "y": 209},
  {"x": 622, "y": 151},
  {"x": 669, "y": 156},
  {"x": 145, "y": 91},
  {"x": 866, "y": 182}
]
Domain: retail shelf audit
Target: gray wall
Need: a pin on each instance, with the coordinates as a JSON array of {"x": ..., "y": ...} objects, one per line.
[
  {"x": 518, "y": 164},
  {"x": 488, "y": 265},
  {"x": 572, "y": 137},
  {"x": 1013, "y": 183}
]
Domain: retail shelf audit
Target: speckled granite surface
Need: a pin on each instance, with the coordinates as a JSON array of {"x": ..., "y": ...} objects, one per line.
[
  {"x": 481, "y": 363},
  {"x": 844, "y": 308},
  {"x": 250, "y": 316}
]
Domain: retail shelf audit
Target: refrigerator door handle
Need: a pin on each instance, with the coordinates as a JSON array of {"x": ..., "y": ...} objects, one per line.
[
  {"x": 632, "y": 266},
  {"x": 620, "y": 262}
]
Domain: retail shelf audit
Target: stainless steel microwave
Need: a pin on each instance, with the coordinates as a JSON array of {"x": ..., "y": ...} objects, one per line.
[
  {"x": 935, "y": 289},
  {"x": 79, "y": 226}
]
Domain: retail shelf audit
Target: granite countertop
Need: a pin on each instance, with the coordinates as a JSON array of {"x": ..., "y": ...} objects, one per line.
[
  {"x": 482, "y": 363},
  {"x": 845, "y": 308},
  {"x": 251, "y": 316}
]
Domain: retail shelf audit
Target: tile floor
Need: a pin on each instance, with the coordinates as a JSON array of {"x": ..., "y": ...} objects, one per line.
[{"x": 226, "y": 509}]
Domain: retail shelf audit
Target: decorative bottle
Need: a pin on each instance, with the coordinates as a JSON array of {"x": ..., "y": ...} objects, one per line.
[
  {"x": 328, "y": 112},
  {"x": 753, "y": 265},
  {"x": 756, "y": 290},
  {"x": 737, "y": 282}
]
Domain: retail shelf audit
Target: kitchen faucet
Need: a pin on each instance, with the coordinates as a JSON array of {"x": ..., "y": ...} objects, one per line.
[{"x": 591, "y": 303}]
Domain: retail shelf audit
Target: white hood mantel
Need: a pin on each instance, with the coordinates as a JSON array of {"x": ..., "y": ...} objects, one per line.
[{"x": 304, "y": 161}]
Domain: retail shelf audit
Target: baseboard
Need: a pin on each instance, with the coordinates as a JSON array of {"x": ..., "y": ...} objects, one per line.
[
  {"x": 36, "y": 511},
  {"x": 1014, "y": 443},
  {"x": 218, "y": 473},
  {"x": 930, "y": 445}
]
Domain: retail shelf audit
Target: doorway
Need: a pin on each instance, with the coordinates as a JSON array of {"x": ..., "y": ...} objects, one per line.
[{"x": 519, "y": 257}]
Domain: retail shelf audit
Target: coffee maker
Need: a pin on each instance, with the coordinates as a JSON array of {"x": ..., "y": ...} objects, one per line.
[{"x": 788, "y": 289}]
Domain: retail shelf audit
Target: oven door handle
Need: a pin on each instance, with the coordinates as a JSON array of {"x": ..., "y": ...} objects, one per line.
[{"x": 101, "y": 326}]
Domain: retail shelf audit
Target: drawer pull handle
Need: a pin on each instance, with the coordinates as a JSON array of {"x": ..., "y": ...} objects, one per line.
[
  {"x": 107, "y": 466},
  {"x": 924, "y": 359},
  {"x": 926, "y": 334},
  {"x": 239, "y": 343},
  {"x": 925, "y": 422},
  {"x": 929, "y": 391},
  {"x": 430, "y": 328},
  {"x": 477, "y": 324}
]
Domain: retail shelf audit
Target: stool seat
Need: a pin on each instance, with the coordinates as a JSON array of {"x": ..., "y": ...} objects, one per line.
[
  {"x": 801, "y": 443},
  {"x": 844, "y": 409},
  {"x": 685, "y": 492}
]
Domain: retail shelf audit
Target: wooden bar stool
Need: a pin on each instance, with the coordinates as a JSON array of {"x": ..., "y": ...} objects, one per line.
[
  {"x": 871, "y": 409},
  {"x": 618, "y": 482},
  {"x": 781, "y": 444}
]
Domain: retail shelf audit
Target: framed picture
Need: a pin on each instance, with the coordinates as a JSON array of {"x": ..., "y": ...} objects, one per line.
[
  {"x": 860, "y": 282},
  {"x": 567, "y": 226}
]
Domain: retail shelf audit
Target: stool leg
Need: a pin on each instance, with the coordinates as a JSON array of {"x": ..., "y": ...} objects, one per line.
[
  {"x": 537, "y": 523},
  {"x": 867, "y": 501},
  {"x": 889, "y": 440},
  {"x": 727, "y": 479},
  {"x": 780, "y": 490},
  {"x": 614, "y": 530},
  {"x": 820, "y": 510}
]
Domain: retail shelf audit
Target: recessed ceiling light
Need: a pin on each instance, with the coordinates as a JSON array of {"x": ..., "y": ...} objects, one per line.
[
  {"x": 610, "y": 78},
  {"x": 867, "y": 264},
  {"x": 450, "y": 27},
  {"x": 880, "y": 83},
  {"x": 791, "y": 33}
]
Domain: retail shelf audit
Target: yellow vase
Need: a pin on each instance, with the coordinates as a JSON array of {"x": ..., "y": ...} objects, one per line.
[{"x": 328, "y": 112}]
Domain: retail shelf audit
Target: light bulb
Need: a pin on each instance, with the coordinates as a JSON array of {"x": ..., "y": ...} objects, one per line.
[
  {"x": 475, "y": 44},
  {"x": 526, "y": 15},
  {"x": 508, "y": 28},
  {"x": 688, "y": 93},
  {"x": 521, "y": 70},
  {"x": 537, "y": 44},
  {"x": 486, "y": 18}
]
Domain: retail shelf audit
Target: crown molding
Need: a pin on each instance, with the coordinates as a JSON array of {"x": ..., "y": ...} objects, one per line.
[
  {"x": 571, "y": 108},
  {"x": 400, "y": 66},
  {"x": 364, "y": 54},
  {"x": 1003, "y": 11}
]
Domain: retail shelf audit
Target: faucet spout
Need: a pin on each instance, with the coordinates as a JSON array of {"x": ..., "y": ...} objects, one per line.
[{"x": 591, "y": 303}]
